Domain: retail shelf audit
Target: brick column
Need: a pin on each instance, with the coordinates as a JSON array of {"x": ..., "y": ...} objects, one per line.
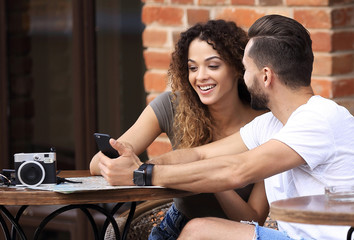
[{"x": 330, "y": 22}]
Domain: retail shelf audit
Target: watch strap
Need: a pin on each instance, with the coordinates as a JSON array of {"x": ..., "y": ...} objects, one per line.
[
  {"x": 142, "y": 167},
  {"x": 147, "y": 168},
  {"x": 148, "y": 176}
]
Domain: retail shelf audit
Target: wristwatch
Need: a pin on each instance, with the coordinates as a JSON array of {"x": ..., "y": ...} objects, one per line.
[{"x": 143, "y": 175}]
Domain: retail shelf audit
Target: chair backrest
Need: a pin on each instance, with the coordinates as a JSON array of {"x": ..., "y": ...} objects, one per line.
[{"x": 147, "y": 215}]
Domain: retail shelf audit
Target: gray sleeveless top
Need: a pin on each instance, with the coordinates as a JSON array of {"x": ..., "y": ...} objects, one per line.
[{"x": 200, "y": 205}]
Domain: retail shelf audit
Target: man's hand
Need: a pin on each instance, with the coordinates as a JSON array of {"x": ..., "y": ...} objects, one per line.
[{"x": 119, "y": 171}]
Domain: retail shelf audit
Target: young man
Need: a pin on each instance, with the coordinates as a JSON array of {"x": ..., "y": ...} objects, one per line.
[{"x": 304, "y": 144}]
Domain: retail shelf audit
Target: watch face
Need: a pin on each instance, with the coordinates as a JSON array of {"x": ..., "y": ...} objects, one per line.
[{"x": 139, "y": 178}]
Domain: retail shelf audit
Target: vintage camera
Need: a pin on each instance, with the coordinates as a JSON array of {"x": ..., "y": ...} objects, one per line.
[{"x": 33, "y": 169}]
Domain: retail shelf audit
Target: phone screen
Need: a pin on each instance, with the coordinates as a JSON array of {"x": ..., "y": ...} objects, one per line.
[{"x": 104, "y": 146}]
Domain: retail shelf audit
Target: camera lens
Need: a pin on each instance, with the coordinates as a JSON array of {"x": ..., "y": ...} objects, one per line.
[{"x": 31, "y": 173}]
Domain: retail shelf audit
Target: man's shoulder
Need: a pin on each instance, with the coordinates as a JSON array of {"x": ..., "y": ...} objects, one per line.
[
  {"x": 265, "y": 118},
  {"x": 321, "y": 104},
  {"x": 325, "y": 109},
  {"x": 266, "y": 121},
  {"x": 260, "y": 130}
]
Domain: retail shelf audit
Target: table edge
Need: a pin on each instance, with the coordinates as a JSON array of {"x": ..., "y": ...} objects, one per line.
[{"x": 308, "y": 217}]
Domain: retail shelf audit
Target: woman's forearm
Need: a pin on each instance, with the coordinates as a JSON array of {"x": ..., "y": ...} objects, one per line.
[
  {"x": 255, "y": 209},
  {"x": 235, "y": 207}
]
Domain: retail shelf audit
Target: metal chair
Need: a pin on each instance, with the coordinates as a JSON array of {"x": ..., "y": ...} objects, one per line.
[{"x": 149, "y": 214}]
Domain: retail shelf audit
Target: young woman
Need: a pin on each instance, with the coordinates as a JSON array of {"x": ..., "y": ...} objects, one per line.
[{"x": 209, "y": 101}]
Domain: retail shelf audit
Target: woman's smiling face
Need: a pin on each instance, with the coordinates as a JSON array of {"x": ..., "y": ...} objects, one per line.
[{"x": 210, "y": 76}]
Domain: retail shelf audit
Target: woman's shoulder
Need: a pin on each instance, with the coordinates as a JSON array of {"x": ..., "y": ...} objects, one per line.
[
  {"x": 162, "y": 98},
  {"x": 162, "y": 104}
]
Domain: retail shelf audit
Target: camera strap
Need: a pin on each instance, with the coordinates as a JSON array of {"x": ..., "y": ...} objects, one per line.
[
  {"x": 5, "y": 180},
  {"x": 7, "y": 177},
  {"x": 63, "y": 180}
]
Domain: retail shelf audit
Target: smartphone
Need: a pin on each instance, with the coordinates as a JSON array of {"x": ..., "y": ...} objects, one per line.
[{"x": 104, "y": 146}]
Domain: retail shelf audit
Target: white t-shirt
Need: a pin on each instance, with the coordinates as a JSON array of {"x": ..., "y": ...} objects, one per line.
[{"x": 322, "y": 132}]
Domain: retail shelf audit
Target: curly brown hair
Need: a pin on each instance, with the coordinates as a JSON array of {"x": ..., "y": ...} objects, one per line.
[{"x": 193, "y": 124}]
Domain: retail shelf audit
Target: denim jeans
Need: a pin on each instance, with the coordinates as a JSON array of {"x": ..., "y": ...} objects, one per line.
[
  {"x": 264, "y": 233},
  {"x": 170, "y": 227}
]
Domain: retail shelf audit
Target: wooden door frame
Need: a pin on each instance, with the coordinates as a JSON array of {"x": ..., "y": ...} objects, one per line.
[
  {"x": 84, "y": 105},
  {"x": 84, "y": 75},
  {"x": 4, "y": 151}
]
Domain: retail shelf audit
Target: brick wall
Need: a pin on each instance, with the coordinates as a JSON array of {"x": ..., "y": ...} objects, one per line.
[{"x": 330, "y": 22}]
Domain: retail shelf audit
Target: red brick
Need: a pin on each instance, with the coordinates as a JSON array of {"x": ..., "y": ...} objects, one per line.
[
  {"x": 243, "y": 2},
  {"x": 343, "y": 41},
  {"x": 342, "y": 64},
  {"x": 182, "y": 1},
  {"x": 330, "y": 22},
  {"x": 347, "y": 102},
  {"x": 328, "y": 42},
  {"x": 150, "y": 97},
  {"x": 162, "y": 15},
  {"x": 270, "y": 2},
  {"x": 321, "y": 41},
  {"x": 343, "y": 87},
  {"x": 336, "y": 2},
  {"x": 175, "y": 37},
  {"x": 153, "y": 1},
  {"x": 158, "y": 147},
  {"x": 154, "y": 38},
  {"x": 322, "y": 65},
  {"x": 333, "y": 88},
  {"x": 313, "y": 18},
  {"x": 322, "y": 87},
  {"x": 197, "y": 15},
  {"x": 242, "y": 17},
  {"x": 343, "y": 17},
  {"x": 327, "y": 65},
  {"x": 155, "y": 82},
  {"x": 307, "y": 2},
  {"x": 212, "y": 2},
  {"x": 158, "y": 60}
]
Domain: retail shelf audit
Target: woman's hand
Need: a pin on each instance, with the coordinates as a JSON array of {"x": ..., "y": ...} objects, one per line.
[
  {"x": 94, "y": 168},
  {"x": 119, "y": 171}
]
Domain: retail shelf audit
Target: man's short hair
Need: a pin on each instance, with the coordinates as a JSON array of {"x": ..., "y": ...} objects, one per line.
[{"x": 284, "y": 45}]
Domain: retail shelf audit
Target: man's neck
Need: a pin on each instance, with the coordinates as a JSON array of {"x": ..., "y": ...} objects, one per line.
[{"x": 284, "y": 104}]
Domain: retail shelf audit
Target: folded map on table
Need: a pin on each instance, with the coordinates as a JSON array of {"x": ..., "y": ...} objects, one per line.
[{"x": 93, "y": 183}]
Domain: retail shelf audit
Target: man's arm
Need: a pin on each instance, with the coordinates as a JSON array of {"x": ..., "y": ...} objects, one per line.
[
  {"x": 228, "y": 172},
  {"x": 115, "y": 170},
  {"x": 230, "y": 145}
]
